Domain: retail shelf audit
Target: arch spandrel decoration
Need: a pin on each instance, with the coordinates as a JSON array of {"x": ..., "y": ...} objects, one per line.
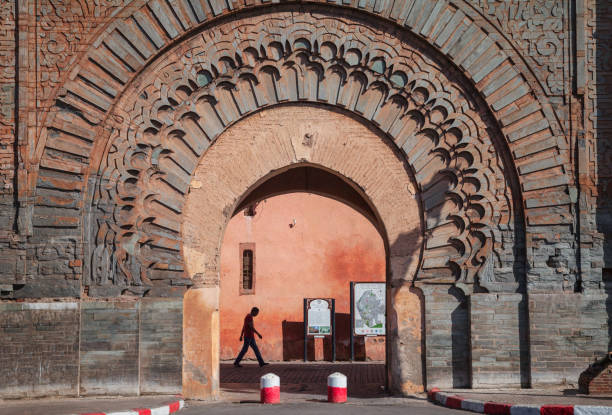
[
  {"x": 165, "y": 122},
  {"x": 75, "y": 132}
]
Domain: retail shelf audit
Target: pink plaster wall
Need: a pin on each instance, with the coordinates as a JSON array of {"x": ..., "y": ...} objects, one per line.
[{"x": 330, "y": 245}]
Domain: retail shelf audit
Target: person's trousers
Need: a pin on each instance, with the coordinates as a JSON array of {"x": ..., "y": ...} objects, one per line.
[{"x": 245, "y": 347}]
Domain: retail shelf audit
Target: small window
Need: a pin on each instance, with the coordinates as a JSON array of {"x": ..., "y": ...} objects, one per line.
[{"x": 247, "y": 268}]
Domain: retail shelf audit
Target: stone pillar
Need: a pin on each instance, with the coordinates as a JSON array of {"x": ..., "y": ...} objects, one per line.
[
  {"x": 498, "y": 340},
  {"x": 201, "y": 343},
  {"x": 447, "y": 337},
  {"x": 404, "y": 340}
]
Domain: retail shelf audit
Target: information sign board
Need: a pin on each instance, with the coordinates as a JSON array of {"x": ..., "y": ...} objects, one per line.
[
  {"x": 369, "y": 305},
  {"x": 319, "y": 316}
]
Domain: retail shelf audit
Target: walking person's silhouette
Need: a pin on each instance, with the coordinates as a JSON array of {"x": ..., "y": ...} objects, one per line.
[{"x": 248, "y": 333}]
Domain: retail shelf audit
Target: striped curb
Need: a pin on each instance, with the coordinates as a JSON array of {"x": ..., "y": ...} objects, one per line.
[
  {"x": 166, "y": 409},
  {"x": 495, "y": 408}
]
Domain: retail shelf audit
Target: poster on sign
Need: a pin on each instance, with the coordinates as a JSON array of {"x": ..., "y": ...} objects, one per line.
[
  {"x": 369, "y": 305},
  {"x": 319, "y": 316}
]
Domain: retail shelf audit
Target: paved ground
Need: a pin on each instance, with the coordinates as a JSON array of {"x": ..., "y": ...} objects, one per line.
[
  {"x": 67, "y": 406},
  {"x": 317, "y": 408},
  {"x": 303, "y": 392}
]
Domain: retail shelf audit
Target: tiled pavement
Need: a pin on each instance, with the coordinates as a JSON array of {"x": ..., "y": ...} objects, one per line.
[
  {"x": 299, "y": 373},
  {"x": 302, "y": 380}
]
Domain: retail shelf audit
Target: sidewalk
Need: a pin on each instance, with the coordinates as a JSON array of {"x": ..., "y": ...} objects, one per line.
[
  {"x": 296, "y": 393},
  {"x": 549, "y": 396},
  {"x": 70, "y": 406}
]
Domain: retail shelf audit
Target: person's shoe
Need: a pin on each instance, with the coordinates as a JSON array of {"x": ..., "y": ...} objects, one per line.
[
  {"x": 264, "y": 364},
  {"x": 237, "y": 365}
]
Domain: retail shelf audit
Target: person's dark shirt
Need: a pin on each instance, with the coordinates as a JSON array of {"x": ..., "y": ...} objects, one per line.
[{"x": 248, "y": 327}]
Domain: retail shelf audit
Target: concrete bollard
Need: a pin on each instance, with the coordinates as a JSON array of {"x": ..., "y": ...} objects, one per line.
[
  {"x": 336, "y": 388},
  {"x": 269, "y": 388}
]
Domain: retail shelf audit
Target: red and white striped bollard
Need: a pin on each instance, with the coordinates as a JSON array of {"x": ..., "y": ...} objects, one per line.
[
  {"x": 336, "y": 388},
  {"x": 269, "y": 388}
]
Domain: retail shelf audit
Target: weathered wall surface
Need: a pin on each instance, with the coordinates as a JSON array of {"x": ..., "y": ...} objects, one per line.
[
  {"x": 90, "y": 348},
  {"x": 500, "y": 348},
  {"x": 567, "y": 333},
  {"x": 161, "y": 345},
  {"x": 39, "y": 349},
  {"x": 10, "y": 249},
  {"x": 447, "y": 337},
  {"x": 109, "y": 363},
  {"x": 329, "y": 245},
  {"x": 538, "y": 72}
]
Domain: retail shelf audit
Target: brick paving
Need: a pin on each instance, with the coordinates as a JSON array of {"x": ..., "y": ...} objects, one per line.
[{"x": 305, "y": 373}]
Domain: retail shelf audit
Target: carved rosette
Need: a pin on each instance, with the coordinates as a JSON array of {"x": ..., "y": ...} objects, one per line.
[{"x": 165, "y": 123}]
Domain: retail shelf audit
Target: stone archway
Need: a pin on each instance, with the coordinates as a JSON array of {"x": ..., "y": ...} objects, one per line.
[
  {"x": 168, "y": 121},
  {"x": 256, "y": 151},
  {"x": 168, "y": 118},
  {"x": 179, "y": 107}
]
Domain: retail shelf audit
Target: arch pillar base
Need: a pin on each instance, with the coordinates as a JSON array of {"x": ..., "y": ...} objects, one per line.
[
  {"x": 404, "y": 335},
  {"x": 201, "y": 343}
]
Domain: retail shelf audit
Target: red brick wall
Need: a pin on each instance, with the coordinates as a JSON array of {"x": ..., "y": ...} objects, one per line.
[
  {"x": 602, "y": 384},
  {"x": 597, "y": 379}
]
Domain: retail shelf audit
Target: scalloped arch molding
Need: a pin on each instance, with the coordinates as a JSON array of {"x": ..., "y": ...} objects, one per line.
[{"x": 528, "y": 159}]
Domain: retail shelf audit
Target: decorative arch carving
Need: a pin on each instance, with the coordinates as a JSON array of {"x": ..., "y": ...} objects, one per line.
[
  {"x": 165, "y": 122},
  {"x": 76, "y": 130}
]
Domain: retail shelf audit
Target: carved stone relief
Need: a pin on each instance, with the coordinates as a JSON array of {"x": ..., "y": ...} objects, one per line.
[
  {"x": 7, "y": 94},
  {"x": 180, "y": 106},
  {"x": 537, "y": 28},
  {"x": 114, "y": 67},
  {"x": 64, "y": 29}
]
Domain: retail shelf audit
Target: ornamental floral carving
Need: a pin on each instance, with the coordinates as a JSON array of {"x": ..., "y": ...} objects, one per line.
[
  {"x": 64, "y": 27},
  {"x": 537, "y": 28}
]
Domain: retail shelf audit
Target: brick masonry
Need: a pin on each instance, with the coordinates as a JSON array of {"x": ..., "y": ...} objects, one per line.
[
  {"x": 161, "y": 345},
  {"x": 567, "y": 334},
  {"x": 90, "y": 348},
  {"x": 597, "y": 379},
  {"x": 39, "y": 349},
  {"x": 90, "y": 107},
  {"x": 500, "y": 348},
  {"x": 109, "y": 348},
  {"x": 447, "y": 338}
]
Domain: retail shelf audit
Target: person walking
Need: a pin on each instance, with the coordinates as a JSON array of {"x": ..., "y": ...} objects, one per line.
[{"x": 248, "y": 333}]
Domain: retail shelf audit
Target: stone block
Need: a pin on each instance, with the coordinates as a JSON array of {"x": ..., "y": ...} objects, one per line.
[{"x": 109, "y": 348}]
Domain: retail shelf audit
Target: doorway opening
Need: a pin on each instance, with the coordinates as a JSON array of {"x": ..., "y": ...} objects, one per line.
[
  {"x": 302, "y": 234},
  {"x": 277, "y": 152}
]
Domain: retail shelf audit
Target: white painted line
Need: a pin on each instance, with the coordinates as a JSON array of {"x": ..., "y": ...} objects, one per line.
[
  {"x": 163, "y": 410},
  {"x": 525, "y": 410},
  {"x": 474, "y": 406},
  {"x": 441, "y": 398},
  {"x": 592, "y": 410}
]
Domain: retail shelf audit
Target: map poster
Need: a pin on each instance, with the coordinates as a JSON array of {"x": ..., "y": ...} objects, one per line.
[
  {"x": 369, "y": 309},
  {"x": 319, "y": 316}
]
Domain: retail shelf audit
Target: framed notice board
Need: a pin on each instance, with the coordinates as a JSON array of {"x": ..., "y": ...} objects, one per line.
[
  {"x": 319, "y": 317},
  {"x": 368, "y": 310},
  {"x": 319, "y": 321}
]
